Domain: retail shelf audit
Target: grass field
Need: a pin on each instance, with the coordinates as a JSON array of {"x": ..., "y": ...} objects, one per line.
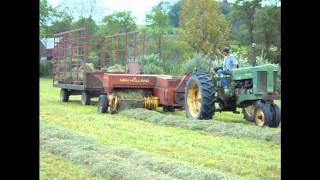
[{"x": 79, "y": 143}]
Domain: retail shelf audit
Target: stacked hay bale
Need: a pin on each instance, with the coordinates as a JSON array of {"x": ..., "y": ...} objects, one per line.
[
  {"x": 114, "y": 68},
  {"x": 66, "y": 73},
  {"x": 63, "y": 74},
  {"x": 87, "y": 67}
]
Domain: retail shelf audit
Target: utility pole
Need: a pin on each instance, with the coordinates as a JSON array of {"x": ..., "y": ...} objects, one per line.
[{"x": 254, "y": 54}]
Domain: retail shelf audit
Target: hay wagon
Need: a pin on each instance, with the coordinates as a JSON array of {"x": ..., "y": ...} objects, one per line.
[{"x": 81, "y": 64}]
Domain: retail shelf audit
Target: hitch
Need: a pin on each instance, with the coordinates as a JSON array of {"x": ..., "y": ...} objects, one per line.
[{"x": 236, "y": 112}]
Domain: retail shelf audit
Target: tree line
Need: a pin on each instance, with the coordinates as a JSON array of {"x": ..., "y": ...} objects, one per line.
[{"x": 186, "y": 27}]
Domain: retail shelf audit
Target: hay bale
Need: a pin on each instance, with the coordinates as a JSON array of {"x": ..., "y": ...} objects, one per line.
[
  {"x": 132, "y": 98},
  {"x": 87, "y": 67},
  {"x": 115, "y": 68},
  {"x": 138, "y": 94},
  {"x": 127, "y": 104}
]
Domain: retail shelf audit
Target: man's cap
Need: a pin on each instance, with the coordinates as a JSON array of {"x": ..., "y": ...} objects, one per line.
[{"x": 225, "y": 49}]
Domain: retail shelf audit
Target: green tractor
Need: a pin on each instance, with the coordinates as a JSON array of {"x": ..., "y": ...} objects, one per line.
[{"x": 251, "y": 88}]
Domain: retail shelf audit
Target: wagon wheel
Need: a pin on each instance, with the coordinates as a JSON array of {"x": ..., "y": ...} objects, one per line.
[
  {"x": 85, "y": 98},
  {"x": 64, "y": 95}
]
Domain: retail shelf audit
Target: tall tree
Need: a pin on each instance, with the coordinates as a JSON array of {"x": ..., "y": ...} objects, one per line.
[
  {"x": 203, "y": 26},
  {"x": 225, "y": 7},
  {"x": 119, "y": 22},
  {"x": 88, "y": 23},
  {"x": 268, "y": 31},
  {"x": 174, "y": 13},
  {"x": 159, "y": 22},
  {"x": 47, "y": 13},
  {"x": 59, "y": 25},
  {"x": 245, "y": 9},
  {"x": 268, "y": 26}
]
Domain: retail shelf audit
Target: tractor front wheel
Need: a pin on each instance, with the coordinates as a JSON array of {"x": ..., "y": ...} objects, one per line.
[
  {"x": 276, "y": 115},
  {"x": 85, "y": 98},
  {"x": 262, "y": 114},
  {"x": 248, "y": 112},
  {"x": 200, "y": 96},
  {"x": 266, "y": 114},
  {"x": 103, "y": 104}
]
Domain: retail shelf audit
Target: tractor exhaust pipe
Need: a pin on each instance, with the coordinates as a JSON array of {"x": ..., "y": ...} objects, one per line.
[{"x": 254, "y": 62}]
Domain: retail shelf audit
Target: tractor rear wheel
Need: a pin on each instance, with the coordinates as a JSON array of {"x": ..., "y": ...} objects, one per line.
[
  {"x": 200, "y": 96},
  {"x": 103, "y": 104},
  {"x": 85, "y": 98},
  {"x": 64, "y": 95}
]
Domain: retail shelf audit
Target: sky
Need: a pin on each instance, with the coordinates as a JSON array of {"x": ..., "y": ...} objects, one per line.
[{"x": 139, "y": 8}]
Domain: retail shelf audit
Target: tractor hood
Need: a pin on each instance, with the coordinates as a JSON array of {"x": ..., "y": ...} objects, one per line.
[{"x": 249, "y": 72}]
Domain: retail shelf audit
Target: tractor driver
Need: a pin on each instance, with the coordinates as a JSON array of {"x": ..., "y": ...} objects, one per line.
[{"x": 229, "y": 63}]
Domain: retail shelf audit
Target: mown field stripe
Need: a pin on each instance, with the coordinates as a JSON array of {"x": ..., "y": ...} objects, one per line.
[
  {"x": 213, "y": 127},
  {"x": 56, "y": 167},
  {"x": 223, "y": 153},
  {"x": 115, "y": 162},
  {"x": 245, "y": 157}
]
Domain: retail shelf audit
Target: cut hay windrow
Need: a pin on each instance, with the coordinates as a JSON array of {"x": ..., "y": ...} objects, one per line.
[
  {"x": 212, "y": 127},
  {"x": 117, "y": 162},
  {"x": 55, "y": 167}
]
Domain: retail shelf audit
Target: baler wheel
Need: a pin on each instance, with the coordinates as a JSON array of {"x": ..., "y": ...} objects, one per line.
[
  {"x": 64, "y": 95},
  {"x": 200, "y": 96},
  {"x": 103, "y": 104},
  {"x": 114, "y": 105}
]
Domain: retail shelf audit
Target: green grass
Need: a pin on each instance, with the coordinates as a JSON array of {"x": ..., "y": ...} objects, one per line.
[
  {"x": 116, "y": 162},
  {"x": 223, "y": 116},
  {"x": 213, "y": 127},
  {"x": 55, "y": 167},
  {"x": 248, "y": 158}
]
